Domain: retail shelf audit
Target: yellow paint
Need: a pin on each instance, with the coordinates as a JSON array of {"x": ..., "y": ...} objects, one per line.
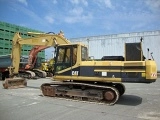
[{"x": 82, "y": 78}]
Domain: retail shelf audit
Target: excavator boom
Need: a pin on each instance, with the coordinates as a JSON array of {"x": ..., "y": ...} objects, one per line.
[
  {"x": 41, "y": 39},
  {"x": 33, "y": 56},
  {"x": 47, "y": 40}
]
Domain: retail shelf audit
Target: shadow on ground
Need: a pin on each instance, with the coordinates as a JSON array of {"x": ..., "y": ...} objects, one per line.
[
  {"x": 33, "y": 87},
  {"x": 130, "y": 100}
]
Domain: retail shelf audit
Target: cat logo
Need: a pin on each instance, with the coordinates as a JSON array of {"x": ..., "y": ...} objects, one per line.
[{"x": 75, "y": 73}]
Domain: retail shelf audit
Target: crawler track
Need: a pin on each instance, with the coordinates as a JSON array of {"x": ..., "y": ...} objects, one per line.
[
  {"x": 40, "y": 73},
  {"x": 83, "y": 91},
  {"x": 26, "y": 74}
]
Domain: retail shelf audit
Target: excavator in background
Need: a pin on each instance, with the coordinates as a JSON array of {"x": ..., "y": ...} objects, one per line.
[
  {"x": 32, "y": 61},
  {"x": 77, "y": 77},
  {"x": 5, "y": 61},
  {"x": 48, "y": 67}
]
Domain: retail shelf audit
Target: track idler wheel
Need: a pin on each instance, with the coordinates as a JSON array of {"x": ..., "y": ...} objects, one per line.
[
  {"x": 111, "y": 96},
  {"x": 11, "y": 83},
  {"x": 48, "y": 90}
]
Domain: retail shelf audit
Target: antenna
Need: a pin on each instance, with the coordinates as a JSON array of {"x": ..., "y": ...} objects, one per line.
[
  {"x": 141, "y": 39},
  {"x": 152, "y": 55},
  {"x": 148, "y": 53}
]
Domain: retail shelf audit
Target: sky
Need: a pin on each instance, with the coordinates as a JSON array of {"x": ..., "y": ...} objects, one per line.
[{"x": 82, "y": 18}]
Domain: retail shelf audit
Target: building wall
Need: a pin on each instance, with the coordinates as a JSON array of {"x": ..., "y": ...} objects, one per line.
[
  {"x": 108, "y": 45},
  {"x": 7, "y": 32}
]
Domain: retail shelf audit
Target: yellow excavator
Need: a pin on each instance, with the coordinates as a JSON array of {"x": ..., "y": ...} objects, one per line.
[
  {"x": 84, "y": 79},
  {"x": 48, "y": 67}
]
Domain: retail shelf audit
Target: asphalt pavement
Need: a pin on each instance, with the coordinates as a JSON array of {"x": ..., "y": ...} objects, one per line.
[{"x": 140, "y": 102}]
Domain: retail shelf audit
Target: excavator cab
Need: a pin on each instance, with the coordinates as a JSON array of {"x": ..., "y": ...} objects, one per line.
[{"x": 67, "y": 56}]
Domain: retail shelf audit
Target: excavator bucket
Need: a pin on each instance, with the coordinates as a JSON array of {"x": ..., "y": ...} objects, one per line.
[{"x": 11, "y": 83}]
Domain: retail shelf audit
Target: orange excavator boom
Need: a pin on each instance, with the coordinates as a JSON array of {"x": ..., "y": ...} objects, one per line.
[{"x": 33, "y": 55}]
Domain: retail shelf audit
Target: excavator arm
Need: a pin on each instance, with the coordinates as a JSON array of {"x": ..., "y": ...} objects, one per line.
[
  {"x": 39, "y": 39},
  {"x": 33, "y": 56},
  {"x": 37, "y": 48},
  {"x": 46, "y": 40}
]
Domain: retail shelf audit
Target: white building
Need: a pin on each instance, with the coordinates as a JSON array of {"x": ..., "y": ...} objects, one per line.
[{"x": 108, "y": 45}]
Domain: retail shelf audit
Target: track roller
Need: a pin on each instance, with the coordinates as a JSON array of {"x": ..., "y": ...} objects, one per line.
[{"x": 48, "y": 91}]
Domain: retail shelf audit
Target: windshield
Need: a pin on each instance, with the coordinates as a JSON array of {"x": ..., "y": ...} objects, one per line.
[
  {"x": 66, "y": 57},
  {"x": 84, "y": 53}
]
